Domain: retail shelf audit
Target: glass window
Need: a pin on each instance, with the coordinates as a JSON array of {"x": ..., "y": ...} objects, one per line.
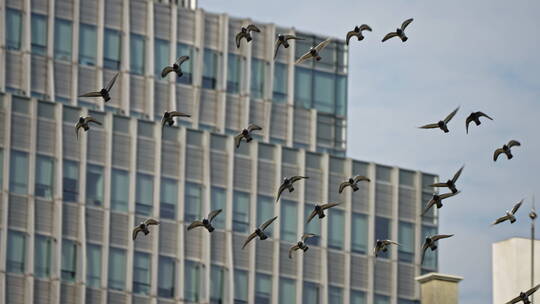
[
  {"x": 63, "y": 33},
  {"x": 141, "y": 273},
  {"x": 18, "y": 175},
  {"x": 44, "y": 176},
  {"x": 312, "y": 227},
  {"x": 71, "y": 181},
  {"x": 234, "y": 70},
  {"x": 289, "y": 221},
  {"x": 311, "y": 293},
  {"x": 166, "y": 282},
  {"x": 380, "y": 299},
  {"x": 161, "y": 55},
  {"x": 219, "y": 201},
  {"x": 341, "y": 95},
  {"x": 87, "y": 44},
  {"x": 405, "y": 301},
  {"x": 263, "y": 288},
  {"x": 137, "y": 52},
  {"x": 39, "y": 34},
  {"x": 265, "y": 211},
  {"x": 217, "y": 284},
  {"x": 69, "y": 260},
  {"x": 358, "y": 297},
  {"x": 94, "y": 185},
  {"x": 382, "y": 232},
  {"x": 16, "y": 252},
  {"x": 117, "y": 269},
  {"x": 187, "y": 67},
  {"x": 430, "y": 258},
  {"x": 112, "y": 49},
  {"x": 13, "y": 29},
  {"x": 168, "y": 198},
  {"x": 324, "y": 92},
  {"x": 359, "y": 233},
  {"x": 144, "y": 194},
  {"x": 336, "y": 222},
  {"x": 383, "y": 173},
  {"x": 335, "y": 295},
  {"x": 93, "y": 265},
  {"x": 240, "y": 286},
  {"x": 280, "y": 90},
  {"x": 210, "y": 67},
  {"x": 119, "y": 190},
  {"x": 241, "y": 212},
  {"x": 287, "y": 291},
  {"x": 406, "y": 242},
  {"x": 42, "y": 256},
  {"x": 193, "y": 202},
  {"x": 303, "y": 81},
  {"x": 192, "y": 279},
  {"x": 257, "y": 78}
]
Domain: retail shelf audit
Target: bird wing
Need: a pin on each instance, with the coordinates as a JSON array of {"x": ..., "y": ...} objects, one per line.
[
  {"x": 253, "y": 28},
  {"x": 451, "y": 115},
  {"x": 213, "y": 214},
  {"x": 458, "y": 173},
  {"x": 278, "y": 44},
  {"x": 350, "y": 35},
  {"x": 293, "y": 248},
  {"x": 406, "y": 23},
  {"x": 516, "y": 207},
  {"x": 497, "y": 153},
  {"x": 532, "y": 290},
  {"x": 280, "y": 190},
  {"x": 311, "y": 215},
  {"x": 249, "y": 238},
  {"x": 365, "y": 27},
  {"x": 360, "y": 178},
  {"x": 513, "y": 143},
  {"x": 328, "y": 205},
  {"x": 500, "y": 220},
  {"x": 181, "y": 59},
  {"x": 304, "y": 57},
  {"x": 178, "y": 114},
  {"x": 151, "y": 221},
  {"x": 238, "y": 139},
  {"x": 239, "y": 37},
  {"x": 323, "y": 44},
  {"x": 439, "y": 185},
  {"x": 111, "y": 82},
  {"x": 306, "y": 236},
  {"x": 469, "y": 119},
  {"x": 480, "y": 114},
  {"x": 77, "y": 127},
  {"x": 195, "y": 224},
  {"x": 440, "y": 237},
  {"x": 135, "y": 232},
  {"x": 288, "y": 37},
  {"x": 430, "y": 126},
  {"x": 514, "y": 300},
  {"x": 343, "y": 185},
  {"x": 389, "y": 35},
  {"x": 447, "y": 195},
  {"x": 89, "y": 119},
  {"x": 428, "y": 206},
  {"x": 253, "y": 127},
  {"x": 166, "y": 70},
  {"x": 424, "y": 248},
  {"x": 267, "y": 223},
  {"x": 91, "y": 94},
  {"x": 297, "y": 178},
  {"x": 388, "y": 242}
]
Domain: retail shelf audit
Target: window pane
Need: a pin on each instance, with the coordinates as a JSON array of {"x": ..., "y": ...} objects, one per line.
[
  {"x": 69, "y": 260},
  {"x": 168, "y": 198},
  {"x": 257, "y": 78},
  {"x": 117, "y": 269},
  {"x": 263, "y": 288},
  {"x": 112, "y": 49},
  {"x": 219, "y": 201},
  {"x": 241, "y": 212},
  {"x": 44, "y": 177},
  {"x": 265, "y": 211},
  {"x": 379, "y": 299},
  {"x": 71, "y": 181},
  {"x": 302, "y": 87},
  {"x": 310, "y": 293},
  {"x": 93, "y": 265},
  {"x": 13, "y": 29},
  {"x": 209, "y": 69},
  {"x": 62, "y": 39},
  {"x": 141, "y": 273},
  {"x": 39, "y": 34},
  {"x": 192, "y": 279},
  {"x": 233, "y": 73},
  {"x": 359, "y": 233},
  {"x": 119, "y": 190},
  {"x": 406, "y": 242},
  {"x": 382, "y": 232},
  {"x": 144, "y": 194},
  {"x": 161, "y": 56},
  {"x": 87, "y": 44},
  {"x": 341, "y": 95},
  {"x": 336, "y": 222},
  {"x": 137, "y": 51},
  {"x": 94, "y": 185},
  {"x": 166, "y": 282},
  {"x": 289, "y": 221},
  {"x": 217, "y": 284},
  {"x": 193, "y": 202},
  {"x": 430, "y": 258},
  {"x": 335, "y": 295},
  {"x": 18, "y": 175},
  {"x": 42, "y": 256},
  {"x": 324, "y": 92},
  {"x": 280, "y": 83},
  {"x": 287, "y": 291},
  {"x": 240, "y": 286},
  {"x": 312, "y": 227},
  {"x": 16, "y": 252},
  {"x": 358, "y": 297},
  {"x": 187, "y": 67}
]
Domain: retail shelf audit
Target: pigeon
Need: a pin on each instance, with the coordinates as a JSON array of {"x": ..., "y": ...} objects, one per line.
[
  {"x": 451, "y": 183},
  {"x": 506, "y": 150},
  {"x": 319, "y": 210},
  {"x": 475, "y": 116},
  {"x": 357, "y": 31},
  {"x": 104, "y": 92},
  {"x": 301, "y": 244},
  {"x": 176, "y": 67},
  {"x": 288, "y": 184},
  {"x": 143, "y": 226},
  {"x": 84, "y": 123},
  {"x": 314, "y": 52},
  {"x": 382, "y": 245},
  {"x": 245, "y": 32},
  {"x": 246, "y": 134},
  {"x": 430, "y": 243},
  {"x": 509, "y": 215},
  {"x": 168, "y": 117},
  {"x": 400, "y": 32},
  {"x": 437, "y": 200},
  {"x": 259, "y": 232},
  {"x": 207, "y": 222},
  {"x": 524, "y": 296},
  {"x": 282, "y": 40},
  {"x": 441, "y": 124},
  {"x": 351, "y": 182}
]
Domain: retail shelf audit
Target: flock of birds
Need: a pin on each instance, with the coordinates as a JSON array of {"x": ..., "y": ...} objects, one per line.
[{"x": 430, "y": 242}]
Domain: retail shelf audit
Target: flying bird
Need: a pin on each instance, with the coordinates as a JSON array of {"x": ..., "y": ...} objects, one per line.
[
  {"x": 506, "y": 150},
  {"x": 437, "y": 200},
  {"x": 382, "y": 245},
  {"x": 357, "y": 31},
  {"x": 288, "y": 184},
  {"x": 282, "y": 40},
  {"x": 245, "y": 32},
  {"x": 314, "y": 52},
  {"x": 430, "y": 243},
  {"x": 246, "y": 134},
  {"x": 451, "y": 183},
  {"x": 443, "y": 124},
  {"x": 400, "y": 32},
  {"x": 475, "y": 116},
  {"x": 319, "y": 210},
  {"x": 509, "y": 214},
  {"x": 207, "y": 222},
  {"x": 176, "y": 67},
  {"x": 524, "y": 296},
  {"x": 301, "y": 244},
  {"x": 259, "y": 232},
  {"x": 168, "y": 117},
  {"x": 84, "y": 122},
  {"x": 143, "y": 226},
  {"x": 103, "y": 92},
  {"x": 351, "y": 182}
]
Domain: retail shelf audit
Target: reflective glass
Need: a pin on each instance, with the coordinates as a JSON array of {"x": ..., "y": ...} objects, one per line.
[
  {"x": 193, "y": 202},
  {"x": 192, "y": 279},
  {"x": 137, "y": 54},
  {"x": 144, "y": 194},
  {"x": 303, "y": 82},
  {"x": 324, "y": 92},
  {"x": 406, "y": 242},
  {"x": 263, "y": 288},
  {"x": 265, "y": 211},
  {"x": 63, "y": 32},
  {"x": 219, "y": 201},
  {"x": 187, "y": 66},
  {"x": 141, "y": 273},
  {"x": 39, "y": 34},
  {"x": 16, "y": 252},
  {"x": 287, "y": 291},
  {"x": 257, "y": 78},
  {"x": 69, "y": 260},
  {"x": 94, "y": 185},
  {"x": 280, "y": 90},
  {"x": 119, "y": 190},
  {"x": 13, "y": 29},
  {"x": 166, "y": 275},
  {"x": 241, "y": 212},
  {"x": 359, "y": 233},
  {"x": 93, "y": 265},
  {"x": 289, "y": 221},
  {"x": 210, "y": 66},
  {"x": 233, "y": 74},
  {"x": 168, "y": 198},
  {"x": 87, "y": 44},
  {"x": 18, "y": 175},
  {"x": 44, "y": 176},
  {"x": 336, "y": 223},
  {"x": 112, "y": 49},
  {"x": 161, "y": 56},
  {"x": 71, "y": 181},
  {"x": 117, "y": 269},
  {"x": 42, "y": 256}
]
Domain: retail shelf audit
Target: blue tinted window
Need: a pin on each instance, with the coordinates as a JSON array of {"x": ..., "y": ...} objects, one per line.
[
  {"x": 210, "y": 66},
  {"x": 336, "y": 222},
  {"x": 303, "y": 83},
  {"x": 42, "y": 256},
  {"x": 193, "y": 202},
  {"x": 166, "y": 274},
  {"x": 69, "y": 260},
  {"x": 63, "y": 36},
  {"x": 311, "y": 293},
  {"x": 358, "y": 297},
  {"x": 265, "y": 211},
  {"x": 161, "y": 56},
  {"x": 324, "y": 92},
  {"x": 382, "y": 232},
  {"x": 39, "y": 34},
  {"x": 217, "y": 285},
  {"x": 287, "y": 291},
  {"x": 141, "y": 273},
  {"x": 219, "y": 201},
  {"x": 335, "y": 295},
  {"x": 13, "y": 29},
  {"x": 94, "y": 185},
  {"x": 312, "y": 227},
  {"x": 168, "y": 198},
  {"x": 18, "y": 173},
  {"x": 144, "y": 197},
  {"x": 137, "y": 53},
  {"x": 359, "y": 235},
  {"x": 93, "y": 265},
  {"x": 192, "y": 279},
  {"x": 71, "y": 181},
  {"x": 380, "y": 299},
  {"x": 341, "y": 95},
  {"x": 234, "y": 71},
  {"x": 257, "y": 78},
  {"x": 112, "y": 49},
  {"x": 406, "y": 242},
  {"x": 263, "y": 288},
  {"x": 280, "y": 90},
  {"x": 16, "y": 252},
  {"x": 289, "y": 221},
  {"x": 117, "y": 269},
  {"x": 240, "y": 286},
  {"x": 87, "y": 44},
  {"x": 44, "y": 176},
  {"x": 241, "y": 212},
  {"x": 187, "y": 66},
  {"x": 119, "y": 190}
]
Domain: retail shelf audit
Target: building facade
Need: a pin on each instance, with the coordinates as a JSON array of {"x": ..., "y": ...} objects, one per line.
[{"x": 68, "y": 206}]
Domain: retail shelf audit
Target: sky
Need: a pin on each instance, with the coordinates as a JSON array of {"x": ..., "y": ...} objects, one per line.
[{"x": 481, "y": 55}]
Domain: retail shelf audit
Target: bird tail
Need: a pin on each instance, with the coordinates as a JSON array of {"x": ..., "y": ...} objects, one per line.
[
  {"x": 248, "y": 138},
  {"x": 510, "y": 156},
  {"x": 107, "y": 97},
  {"x": 211, "y": 228},
  {"x": 305, "y": 248},
  {"x": 404, "y": 38},
  {"x": 354, "y": 187},
  {"x": 444, "y": 128},
  {"x": 439, "y": 205},
  {"x": 318, "y": 58},
  {"x": 453, "y": 189},
  {"x": 321, "y": 215},
  {"x": 263, "y": 236},
  {"x": 512, "y": 220},
  {"x": 433, "y": 247},
  {"x": 86, "y": 127},
  {"x": 291, "y": 189}
]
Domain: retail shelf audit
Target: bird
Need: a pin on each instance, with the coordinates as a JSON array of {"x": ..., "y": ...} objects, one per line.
[
  {"x": 443, "y": 124},
  {"x": 506, "y": 149},
  {"x": 451, "y": 183},
  {"x": 319, "y": 210},
  {"x": 524, "y": 296},
  {"x": 351, "y": 182},
  {"x": 430, "y": 243},
  {"x": 400, "y": 32},
  {"x": 245, "y": 32},
  {"x": 437, "y": 200},
  {"x": 246, "y": 134},
  {"x": 207, "y": 222},
  {"x": 103, "y": 92},
  {"x": 301, "y": 244},
  {"x": 143, "y": 226},
  {"x": 475, "y": 116},
  {"x": 357, "y": 31},
  {"x": 288, "y": 184},
  {"x": 314, "y": 52},
  {"x": 382, "y": 245},
  {"x": 176, "y": 67},
  {"x": 168, "y": 117},
  {"x": 282, "y": 40},
  {"x": 509, "y": 215},
  {"x": 84, "y": 122},
  {"x": 259, "y": 232}
]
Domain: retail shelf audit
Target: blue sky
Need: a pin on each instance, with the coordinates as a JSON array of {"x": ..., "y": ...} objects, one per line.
[{"x": 480, "y": 55}]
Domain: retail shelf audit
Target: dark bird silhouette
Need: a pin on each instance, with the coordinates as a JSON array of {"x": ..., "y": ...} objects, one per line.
[
  {"x": 357, "y": 32},
  {"x": 246, "y": 134},
  {"x": 509, "y": 215},
  {"x": 475, "y": 116},
  {"x": 442, "y": 124},
  {"x": 288, "y": 184},
  {"x": 314, "y": 52},
  {"x": 207, "y": 222},
  {"x": 176, "y": 67},
  {"x": 245, "y": 32},
  {"x": 506, "y": 150},
  {"x": 143, "y": 226},
  {"x": 437, "y": 200},
  {"x": 382, "y": 245},
  {"x": 352, "y": 182},
  {"x": 283, "y": 40},
  {"x": 430, "y": 243},
  {"x": 84, "y": 122},
  {"x": 400, "y": 32},
  {"x": 524, "y": 296},
  {"x": 451, "y": 183},
  {"x": 301, "y": 244},
  {"x": 319, "y": 210},
  {"x": 259, "y": 232},
  {"x": 103, "y": 92},
  {"x": 168, "y": 117}
]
